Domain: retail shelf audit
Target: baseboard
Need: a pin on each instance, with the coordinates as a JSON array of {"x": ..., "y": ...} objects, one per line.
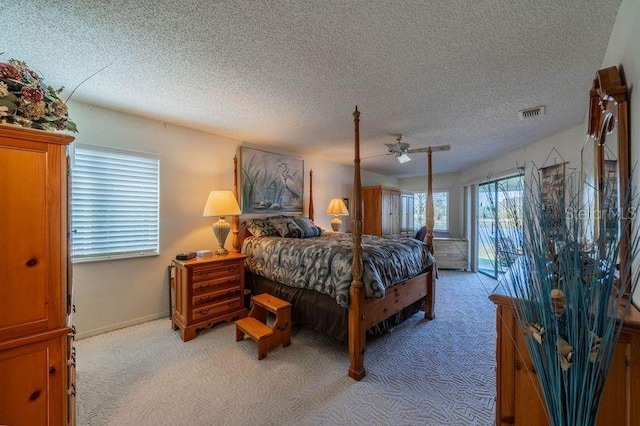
[{"x": 113, "y": 327}]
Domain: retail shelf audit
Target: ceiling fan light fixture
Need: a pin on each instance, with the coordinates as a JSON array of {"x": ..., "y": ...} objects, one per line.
[{"x": 403, "y": 158}]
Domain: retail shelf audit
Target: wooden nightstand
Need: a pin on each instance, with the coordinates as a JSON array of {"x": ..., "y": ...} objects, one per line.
[{"x": 206, "y": 291}]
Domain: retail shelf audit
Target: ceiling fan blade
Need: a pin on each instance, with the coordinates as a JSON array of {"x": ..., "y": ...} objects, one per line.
[
  {"x": 393, "y": 147},
  {"x": 433, "y": 149},
  {"x": 380, "y": 155}
]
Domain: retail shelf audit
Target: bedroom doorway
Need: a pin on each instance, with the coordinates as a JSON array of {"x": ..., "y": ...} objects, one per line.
[{"x": 499, "y": 233}]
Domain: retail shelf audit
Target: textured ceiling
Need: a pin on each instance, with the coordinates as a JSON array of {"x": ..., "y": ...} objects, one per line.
[{"x": 287, "y": 74}]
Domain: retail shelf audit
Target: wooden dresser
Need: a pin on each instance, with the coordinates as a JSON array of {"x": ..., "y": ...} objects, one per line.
[
  {"x": 517, "y": 401},
  {"x": 37, "y": 361},
  {"x": 381, "y": 211},
  {"x": 206, "y": 291},
  {"x": 451, "y": 253}
]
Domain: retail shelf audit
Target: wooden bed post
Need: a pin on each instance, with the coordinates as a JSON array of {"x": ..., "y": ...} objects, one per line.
[
  {"x": 356, "y": 291},
  {"x": 235, "y": 220},
  {"x": 311, "y": 194},
  {"x": 429, "y": 222}
]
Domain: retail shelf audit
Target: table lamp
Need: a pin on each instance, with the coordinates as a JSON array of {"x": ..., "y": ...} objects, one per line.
[
  {"x": 337, "y": 208},
  {"x": 221, "y": 204}
]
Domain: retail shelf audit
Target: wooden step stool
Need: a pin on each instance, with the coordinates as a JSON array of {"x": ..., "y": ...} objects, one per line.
[{"x": 255, "y": 325}]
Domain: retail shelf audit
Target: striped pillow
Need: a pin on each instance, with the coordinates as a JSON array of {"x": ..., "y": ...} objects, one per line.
[{"x": 309, "y": 229}]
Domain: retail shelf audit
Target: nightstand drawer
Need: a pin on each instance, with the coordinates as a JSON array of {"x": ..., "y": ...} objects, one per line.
[
  {"x": 210, "y": 286},
  {"x": 217, "y": 308},
  {"x": 212, "y": 273},
  {"x": 217, "y": 295}
]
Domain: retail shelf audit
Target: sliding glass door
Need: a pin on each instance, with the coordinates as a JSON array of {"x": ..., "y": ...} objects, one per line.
[{"x": 499, "y": 224}]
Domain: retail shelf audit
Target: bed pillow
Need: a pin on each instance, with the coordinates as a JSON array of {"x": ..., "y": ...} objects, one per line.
[
  {"x": 287, "y": 227},
  {"x": 261, "y": 228},
  {"x": 309, "y": 229}
]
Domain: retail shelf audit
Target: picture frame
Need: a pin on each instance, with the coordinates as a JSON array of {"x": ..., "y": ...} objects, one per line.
[
  {"x": 270, "y": 182},
  {"x": 346, "y": 203}
]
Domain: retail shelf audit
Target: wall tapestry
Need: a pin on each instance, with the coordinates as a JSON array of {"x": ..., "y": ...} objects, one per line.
[
  {"x": 610, "y": 211},
  {"x": 270, "y": 182},
  {"x": 552, "y": 195}
]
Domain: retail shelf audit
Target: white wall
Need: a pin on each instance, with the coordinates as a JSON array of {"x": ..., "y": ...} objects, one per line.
[
  {"x": 567, "y": 144},
  {"x": 564, "y": 146},
  {"x": 624, "y": 51},
  {"x": 332, "y": 180},
  {"x": 449, "y": 182},
  {"x": 118, "y": 293}
]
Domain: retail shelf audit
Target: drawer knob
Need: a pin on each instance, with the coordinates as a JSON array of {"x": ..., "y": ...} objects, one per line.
[
  {"x": 32, "y": 262},
  {"x": 203, "y": 311},
  {"x": 52, "y": 369},
  {"x": 35, "y": 395}
]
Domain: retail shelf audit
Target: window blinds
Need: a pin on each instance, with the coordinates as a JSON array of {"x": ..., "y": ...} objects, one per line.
[{"x": 114, "y": 204}]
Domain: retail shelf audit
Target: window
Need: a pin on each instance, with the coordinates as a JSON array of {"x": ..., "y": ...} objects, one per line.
[
  {"x": 114, "y": 204},
  {"x": 440, "y": 210}
]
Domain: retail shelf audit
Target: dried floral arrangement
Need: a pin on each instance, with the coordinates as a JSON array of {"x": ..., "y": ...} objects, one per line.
[
  {"x": 26, "y": 101},
  {"x": 565, "y": 289}
]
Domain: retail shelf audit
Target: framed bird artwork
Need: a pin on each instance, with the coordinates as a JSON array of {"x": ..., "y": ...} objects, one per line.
[{"x": 270, "y": 182}]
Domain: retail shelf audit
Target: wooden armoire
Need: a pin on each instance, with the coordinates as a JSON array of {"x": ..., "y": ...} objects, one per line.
[
  {"x": 381, "y": 211},
  {"x": 407, "y": 210},
  {"x": 37, "y": 360}
]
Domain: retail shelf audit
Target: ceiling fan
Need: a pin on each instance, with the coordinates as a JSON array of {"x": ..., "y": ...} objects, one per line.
[{"x": 400, "y": 149}]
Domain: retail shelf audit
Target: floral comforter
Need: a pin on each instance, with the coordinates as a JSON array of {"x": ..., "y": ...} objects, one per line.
[{"x": 323, "y": 263}]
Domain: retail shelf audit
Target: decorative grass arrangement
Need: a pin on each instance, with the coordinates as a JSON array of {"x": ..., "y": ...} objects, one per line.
[{"x": 567, "y": 292}]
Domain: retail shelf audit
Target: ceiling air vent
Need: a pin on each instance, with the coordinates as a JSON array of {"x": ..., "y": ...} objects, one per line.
[{"x": 531, "y": 112}]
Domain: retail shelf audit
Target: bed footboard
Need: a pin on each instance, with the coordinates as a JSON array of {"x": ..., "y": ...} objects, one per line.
[
  {"x": 366, "y": 313},
  {"x": 398, "y": 297}
]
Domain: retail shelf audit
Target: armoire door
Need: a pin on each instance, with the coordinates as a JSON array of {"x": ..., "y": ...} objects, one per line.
[{"x": 30, "y": 224}]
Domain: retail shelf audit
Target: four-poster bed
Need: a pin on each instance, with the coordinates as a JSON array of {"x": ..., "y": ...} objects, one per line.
[
  {"x": 364, "y": 313},
  {"x": 365, "y": 305}
]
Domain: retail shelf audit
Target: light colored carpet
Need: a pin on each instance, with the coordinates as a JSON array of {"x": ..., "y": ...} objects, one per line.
[{"x": 437, "y": 372}]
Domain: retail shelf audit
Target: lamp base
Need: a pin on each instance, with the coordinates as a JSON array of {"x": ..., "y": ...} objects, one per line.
[
  {"x": 221, "y": 230},
  {"x": 335, "y": 224},
  {"x": 221, "y": 251}
]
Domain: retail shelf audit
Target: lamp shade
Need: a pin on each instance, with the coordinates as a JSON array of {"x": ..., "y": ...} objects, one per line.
[
  {"x": 337, "y": 207},
  {"x": 221, "y": 203}
]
